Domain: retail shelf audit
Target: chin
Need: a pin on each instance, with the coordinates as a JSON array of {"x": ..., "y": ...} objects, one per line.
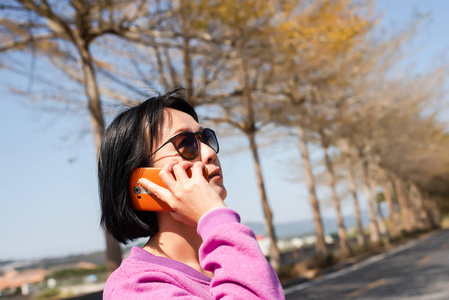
[{"x": 220, "y": 189}]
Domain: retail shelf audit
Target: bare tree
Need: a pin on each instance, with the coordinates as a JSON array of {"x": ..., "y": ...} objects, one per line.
[
  {"x": 240, "y": 40},
  {"x": 353, "y": 188},
  {"x": 387, "y": 186},
  {"x": 319, "y": 230},
  {"x": 374, "y": 227},
  {"x": 315, "y": 48},
  {"x": 343, "y": 239},
  {"x": 64, "y": 35},
  {"x": 407, "y": 216}
]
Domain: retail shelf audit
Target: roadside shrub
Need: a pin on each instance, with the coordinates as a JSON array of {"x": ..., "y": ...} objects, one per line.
[
  {"x": 50, "y": 293},
  {"x": 75, "y": 272},
  {"x": 321, "y": 261},
  {"x": 445, "y": 221},
  {"x": 286, "y": 272}
]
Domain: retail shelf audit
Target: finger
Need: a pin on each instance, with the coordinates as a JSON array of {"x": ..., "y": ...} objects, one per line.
[
  {"x": 157, "y": 190},
  {"x": 180, "y": 170},
  {"x": 168, "y": 167},
  {"x": 198, "y": 170},
  {"x": 166, "y": 174}
]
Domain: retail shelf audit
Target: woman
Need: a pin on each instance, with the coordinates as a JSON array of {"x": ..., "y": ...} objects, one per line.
[{"x": 198, "y": 251}]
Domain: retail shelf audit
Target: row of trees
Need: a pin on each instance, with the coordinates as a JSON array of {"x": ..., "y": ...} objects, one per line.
[{"x": 321, "y": 71}]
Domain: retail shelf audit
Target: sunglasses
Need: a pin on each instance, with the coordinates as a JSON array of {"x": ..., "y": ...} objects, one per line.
[{"x": 187, "y": 143}]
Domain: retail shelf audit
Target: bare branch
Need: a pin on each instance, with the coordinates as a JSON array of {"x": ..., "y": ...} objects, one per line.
[{"x": 25, "y": 42}]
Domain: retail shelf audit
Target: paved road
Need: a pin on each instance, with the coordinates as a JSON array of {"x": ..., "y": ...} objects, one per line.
[
  {"x": 419, "y": 270},
  {"x": 93, "y": 296}
]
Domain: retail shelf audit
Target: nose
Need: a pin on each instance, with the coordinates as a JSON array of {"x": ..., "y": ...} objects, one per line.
[{"x": 208, "y": 154}]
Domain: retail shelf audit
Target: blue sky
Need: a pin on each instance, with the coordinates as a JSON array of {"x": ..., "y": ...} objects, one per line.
[{"x": 48, "y": 188}]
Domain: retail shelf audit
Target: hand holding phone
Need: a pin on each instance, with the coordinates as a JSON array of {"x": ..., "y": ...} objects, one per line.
[{"x": 144, "y": 200}]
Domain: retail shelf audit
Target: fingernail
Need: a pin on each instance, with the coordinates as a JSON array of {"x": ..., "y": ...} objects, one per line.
[{"x": 143, "y": 180}]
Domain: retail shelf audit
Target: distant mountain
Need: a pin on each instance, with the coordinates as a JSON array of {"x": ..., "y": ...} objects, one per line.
[{"x": 305, "y": 227}]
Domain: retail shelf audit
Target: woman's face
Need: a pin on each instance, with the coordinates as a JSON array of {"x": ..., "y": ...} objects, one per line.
[{"x": 175, "y": 122}]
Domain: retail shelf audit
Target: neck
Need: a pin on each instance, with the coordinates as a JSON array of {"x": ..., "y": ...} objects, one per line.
[{"x": 178, "y": 241}]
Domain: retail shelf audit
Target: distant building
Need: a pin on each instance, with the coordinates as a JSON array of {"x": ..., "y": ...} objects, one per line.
[
  {"x": 13, "y": 279},
  {"x": 264, "y": 244}
]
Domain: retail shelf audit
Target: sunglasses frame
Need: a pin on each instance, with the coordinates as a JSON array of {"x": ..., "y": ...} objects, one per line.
[{"x": 199, "y": 138}]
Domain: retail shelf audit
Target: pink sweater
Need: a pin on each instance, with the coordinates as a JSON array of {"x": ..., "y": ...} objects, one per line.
[{"x": 229, "y": 250}]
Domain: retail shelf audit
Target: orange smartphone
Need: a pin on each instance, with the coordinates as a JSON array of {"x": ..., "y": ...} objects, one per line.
[{"x": 144, "y": 200}]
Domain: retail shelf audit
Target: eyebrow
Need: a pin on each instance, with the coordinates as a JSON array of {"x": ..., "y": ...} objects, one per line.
[{"x": 183, "y": 129}]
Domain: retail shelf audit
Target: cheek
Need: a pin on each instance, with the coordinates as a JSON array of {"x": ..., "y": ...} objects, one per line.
[{"x": 160, "y": 163}]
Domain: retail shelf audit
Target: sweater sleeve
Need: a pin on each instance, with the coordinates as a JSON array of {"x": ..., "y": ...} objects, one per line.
[{"x": 230, "y": 250}]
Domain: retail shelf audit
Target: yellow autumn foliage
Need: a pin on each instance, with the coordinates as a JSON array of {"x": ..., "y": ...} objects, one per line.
[{"x": 327, "y": 26}]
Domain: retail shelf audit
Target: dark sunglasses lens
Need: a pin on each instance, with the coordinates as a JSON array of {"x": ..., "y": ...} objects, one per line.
[
  {"x": 187, "y": 145},
  {"x": 210, "y": 139}
]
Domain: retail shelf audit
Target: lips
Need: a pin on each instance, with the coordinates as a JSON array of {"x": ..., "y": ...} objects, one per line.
[{"x": 215, "y": 174}]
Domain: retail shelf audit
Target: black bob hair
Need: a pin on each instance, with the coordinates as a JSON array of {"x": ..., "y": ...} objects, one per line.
[{"x": 126, "y": 145}]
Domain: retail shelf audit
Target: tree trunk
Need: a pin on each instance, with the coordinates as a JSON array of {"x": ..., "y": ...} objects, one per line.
[
  {"x": 417, "y": 199},
  {"x": 188, "y": 71},
  {"x": 374, "y": 227},
  {"x": 274, "y": 250},
  {"x": 343, "y": 239},
  {"x": 436, "y": 213},
  {"x": 387, "y": 186},
  {"x": 353, "y": 188},
  {"x": 113, "y": 250},
  {"x": 419, "y": 225},
  {"x": 319, "y": 231},
  {"x": 407, "y": 216},
  {"x": 429, "y": 211},
  {"x": 384, "y": 232},
  {"x": 188, "y": 67}
]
